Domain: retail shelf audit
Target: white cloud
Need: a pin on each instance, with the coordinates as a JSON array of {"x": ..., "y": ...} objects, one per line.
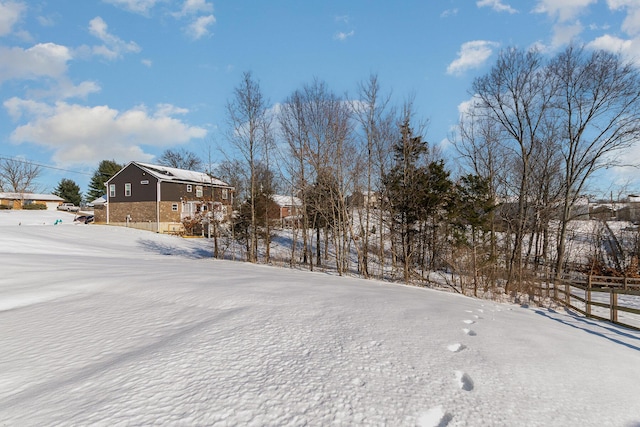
[
  {"x": 343, "y": 36},
  {"x": 137, "y": 6},
  {"x": 45, "y": 62},
  {"x": 449, "y": 12},
  {"x": 193, "y": 7},
  {"x": 81, "y": 134},
  {"x": 630, "y": 49},
  {"x": 65, "y": 89},
  {"x": 471, "y": 55},
  {"x": 10, "y": 14},
  {"x": 41, "y": 60},
  {"x": 47, "y": 21},
  {"x": 631, "y": 23},
  {"x": 113, "y": 47},
  {"x": 16, "y": 106},
  {"x": 200, "y": 14},
  {"x": 496, "y": 5},
  {"x": 610, "y": 43},
  {"x": 200, "y": 27},
  {"x": 465, "y": 106},
  {"x": 147, "y": 62},
  {"x": 563, "y": 10},
  {"x": 565, "y": 33}
]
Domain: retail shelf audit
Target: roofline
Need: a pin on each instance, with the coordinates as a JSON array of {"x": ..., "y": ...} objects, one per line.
[
  {"x": 178, "y": 181},
  {"x": 116, "y": 174}
]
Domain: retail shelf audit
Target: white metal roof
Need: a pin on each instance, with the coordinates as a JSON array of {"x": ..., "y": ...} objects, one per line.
[
  {"x": 166, "y": 173},
  {"x": 31, "y": 196},
  {"x": 286, "y": 200}
]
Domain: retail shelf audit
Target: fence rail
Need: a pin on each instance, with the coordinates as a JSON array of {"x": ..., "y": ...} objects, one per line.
[{"x": 591, "y": 295}]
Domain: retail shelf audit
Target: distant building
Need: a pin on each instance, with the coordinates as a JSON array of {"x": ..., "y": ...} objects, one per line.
[
  {"x": 19, "y": 200},
  {"x": 290, "y": 210}
]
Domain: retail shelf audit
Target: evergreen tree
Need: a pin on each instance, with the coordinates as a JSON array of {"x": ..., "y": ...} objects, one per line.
[
  {"x": 473, "y": 217},
  {"x": 69, "y": 191},
  {"x": 404, "y": 186},
  {"x": 106, "y": 169},
  {"x": 474, "y": 204},
  {"x": 438, "y": 204}
]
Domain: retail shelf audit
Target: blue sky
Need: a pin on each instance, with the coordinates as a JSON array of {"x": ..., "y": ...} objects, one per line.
[{"x": 83, "y": 81}]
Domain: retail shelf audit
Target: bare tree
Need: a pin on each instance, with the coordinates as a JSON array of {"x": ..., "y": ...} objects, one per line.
[
  {"x": 516, "y": 96},
  {"x": 18, "y": 176},
  {"x": 180, "y": 159},
  {"x": 598, "y": 109},
  {"x": 317, "y": 126},
  {"x": 376, "y": 118},
  {"x": 247, "y": 118},
  {"x": 292, "y": 126}
]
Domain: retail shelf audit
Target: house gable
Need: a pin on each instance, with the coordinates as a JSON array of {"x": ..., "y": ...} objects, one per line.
[{"x": 132, "y": 184}]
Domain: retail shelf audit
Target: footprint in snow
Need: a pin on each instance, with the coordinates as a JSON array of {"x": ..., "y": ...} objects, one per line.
[
  {"x": 464, "y": 381},
  {"x": 454, "y": 348},
  {"x": 434, "y": 417},
  {"x": 469, "y": 322},
  {"x": 469, "y": 332}
]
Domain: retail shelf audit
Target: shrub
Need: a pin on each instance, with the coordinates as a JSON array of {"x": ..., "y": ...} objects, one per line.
[
  {"x": 34, "y": 207},
  {"x": 5, "y": 207}
]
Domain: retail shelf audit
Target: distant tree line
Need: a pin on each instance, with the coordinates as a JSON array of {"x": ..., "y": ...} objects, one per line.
[{"x": 536, "y": 131}]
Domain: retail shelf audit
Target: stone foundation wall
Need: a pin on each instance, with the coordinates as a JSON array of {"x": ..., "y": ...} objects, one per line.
[
  {"x": 136, "y": 211},
  {"x": 142, "y": 216},
  {"x": 100, "y": 214}
]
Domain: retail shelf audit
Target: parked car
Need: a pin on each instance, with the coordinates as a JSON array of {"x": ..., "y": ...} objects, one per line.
[
  {"x": 69, "y": 207},
  {"x": 86, "y": 219}
]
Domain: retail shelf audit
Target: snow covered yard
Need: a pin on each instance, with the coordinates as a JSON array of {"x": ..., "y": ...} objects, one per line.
[{"x": 112, "y": 326}]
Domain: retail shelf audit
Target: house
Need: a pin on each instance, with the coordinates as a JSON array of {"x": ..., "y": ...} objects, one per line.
[
  {"x": 289, "y": 208},
  {"x": 19, "y": 200},
  {"x": 160, "y": 198},
  {"x": 99, "y": 201}
]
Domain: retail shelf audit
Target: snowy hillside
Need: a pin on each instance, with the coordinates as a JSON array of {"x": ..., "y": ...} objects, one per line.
[{"x": 111, "y": 326}]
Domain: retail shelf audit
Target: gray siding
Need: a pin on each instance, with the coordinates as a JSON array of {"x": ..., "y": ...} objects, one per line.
[{"x": 140, "y": 192}]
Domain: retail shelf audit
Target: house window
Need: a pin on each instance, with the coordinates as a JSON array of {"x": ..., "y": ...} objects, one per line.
[
  {"x": 174, "y": 207},
  {"x": 127, "y": 189},
  {"x": 112, "y": 190},
  {"x": 198, "y": 190},
  {"x": 189, "y": 188},
  {"x": 225, "y": 194}
]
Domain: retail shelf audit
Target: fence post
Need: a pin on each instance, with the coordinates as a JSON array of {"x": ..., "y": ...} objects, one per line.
[
  {"x": 588, "y": 303},
  {"x": 567, "y": 293},
  {"x": 613, "y": 304}
]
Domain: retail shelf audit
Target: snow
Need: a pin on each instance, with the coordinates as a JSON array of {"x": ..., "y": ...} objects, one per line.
[
  {"x": 173, "y": 174},
  {"x": 113, "y": 326}
]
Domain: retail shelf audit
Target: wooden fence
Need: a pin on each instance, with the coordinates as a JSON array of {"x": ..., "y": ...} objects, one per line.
[{"x": 598, "y": 297}]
